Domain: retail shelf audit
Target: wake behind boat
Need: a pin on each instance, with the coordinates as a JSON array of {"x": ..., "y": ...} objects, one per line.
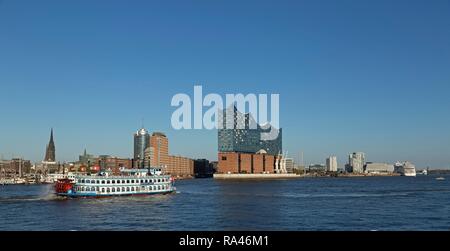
[{"x": 129, "y": 182}]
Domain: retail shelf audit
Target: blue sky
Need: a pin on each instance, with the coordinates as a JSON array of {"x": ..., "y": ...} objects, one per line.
[{"x": 369, "y": 76}]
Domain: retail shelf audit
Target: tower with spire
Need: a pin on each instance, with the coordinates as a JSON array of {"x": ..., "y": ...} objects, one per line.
[{"x": 50, "y": 151}]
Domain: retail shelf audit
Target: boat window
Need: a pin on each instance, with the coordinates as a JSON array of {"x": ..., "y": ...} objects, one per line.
[
  {"x": 123, "y": 181},
  {"x": 97, "y": 188},
  {"x": 108, "y": 182},
  {"x": 123, "y": 189},
  {"x": 150, "y": 187},
  {"x": 128, "y": 181},
  {"x": 128, "y": 189},
  {"x": 132, "y": 189},
  {"x": 113, "y": 190},
  {"x": 118, "y": 181},
  {"x": 103, "y": 190},
  {"x": 103, "y": 182},
  {"x": 108, "y": 190},
  {"x": 114, "y": 181}
]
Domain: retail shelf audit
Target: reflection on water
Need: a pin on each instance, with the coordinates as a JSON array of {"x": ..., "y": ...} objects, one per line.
[{"x": 375, "y": 203}]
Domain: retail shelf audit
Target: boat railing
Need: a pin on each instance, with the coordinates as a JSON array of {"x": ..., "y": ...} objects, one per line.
[{"x": 121, "y": 177}]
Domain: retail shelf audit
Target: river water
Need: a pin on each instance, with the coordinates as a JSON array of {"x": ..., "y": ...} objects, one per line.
[{"x": 363, "y": 203}]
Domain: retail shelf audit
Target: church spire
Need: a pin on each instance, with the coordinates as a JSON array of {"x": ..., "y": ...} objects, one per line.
[
  {"x": 50, "y": 151},
  {"x": 51, "y": 136}
]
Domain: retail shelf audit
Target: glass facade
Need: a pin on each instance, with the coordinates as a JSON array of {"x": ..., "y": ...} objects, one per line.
[
  {"x": 236, "y": 134},
  {"x": 141, "y": 142}
]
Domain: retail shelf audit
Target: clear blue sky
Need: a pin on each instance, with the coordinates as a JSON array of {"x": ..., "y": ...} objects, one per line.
[{"x": 371, "y": 76}]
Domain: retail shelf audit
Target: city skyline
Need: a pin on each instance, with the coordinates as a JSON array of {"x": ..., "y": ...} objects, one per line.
[{"x": 372, "y": 78}]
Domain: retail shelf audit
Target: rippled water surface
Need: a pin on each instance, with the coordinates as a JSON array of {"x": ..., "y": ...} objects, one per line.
[{"x": 373, "y": 203}]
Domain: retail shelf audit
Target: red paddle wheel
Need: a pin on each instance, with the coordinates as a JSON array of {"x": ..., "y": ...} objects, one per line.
[{"x": 63, "y": 185}]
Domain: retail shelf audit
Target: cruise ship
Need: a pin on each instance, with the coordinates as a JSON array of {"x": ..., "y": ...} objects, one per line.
[
  {"x": 129, "y": 182},
  {"x": 405, "y": 169}
]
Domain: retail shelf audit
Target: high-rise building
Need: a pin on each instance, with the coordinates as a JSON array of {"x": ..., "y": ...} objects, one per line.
[
  {"x": 356, "y": 162},
  {"x": 160, "y": 144},
  {"x": 141, "y": 142},
  {"x": 154, "y": 150},
  {"x": 50, "y": 153},
  {"x": 242, "y": 134},
  {"x": 331, "y": 164}
]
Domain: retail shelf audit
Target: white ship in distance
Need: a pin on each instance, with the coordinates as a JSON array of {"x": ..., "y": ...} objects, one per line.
[{"x": 405, "y": 168}]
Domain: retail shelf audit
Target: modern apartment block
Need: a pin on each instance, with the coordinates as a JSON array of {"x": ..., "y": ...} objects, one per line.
[
  {"x": 356, "y": 162},
  {"x": 331, "y": 164}
]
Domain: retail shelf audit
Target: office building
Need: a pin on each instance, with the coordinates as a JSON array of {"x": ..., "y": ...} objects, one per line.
[
  {"x": 160, "y": 149},
  {"x": 154, "y": 150},
  {"x": 141, "y": 142}
]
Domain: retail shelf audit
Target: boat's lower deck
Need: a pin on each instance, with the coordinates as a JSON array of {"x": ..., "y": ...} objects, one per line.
[{"x": 98, "y": 195}]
